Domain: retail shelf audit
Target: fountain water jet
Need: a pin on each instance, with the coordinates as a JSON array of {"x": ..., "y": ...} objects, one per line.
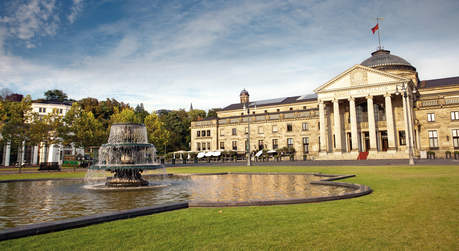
[{"x": 127, "y": 154}]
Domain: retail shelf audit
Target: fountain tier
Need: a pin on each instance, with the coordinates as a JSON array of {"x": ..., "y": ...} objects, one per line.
[{"x": 127, "y": 154}]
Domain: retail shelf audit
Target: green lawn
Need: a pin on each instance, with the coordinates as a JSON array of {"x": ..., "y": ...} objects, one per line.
[
  {"x": 43, "y": 175},
  {"x": 410, "y": 208}
]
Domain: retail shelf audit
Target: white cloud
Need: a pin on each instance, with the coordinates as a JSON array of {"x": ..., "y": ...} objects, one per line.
[
  {"x": 31, "y": 19},
  {"x": 75, "y": 10},
  {"x": 272, "y": 49}
]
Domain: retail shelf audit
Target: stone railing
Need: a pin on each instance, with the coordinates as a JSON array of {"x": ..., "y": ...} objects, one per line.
[
  {"x": 438, "y": 101},
  {"x": 309, "y": 114}
]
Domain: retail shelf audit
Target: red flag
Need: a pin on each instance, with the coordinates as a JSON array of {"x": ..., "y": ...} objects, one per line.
[{"x": 374, "y": 29}]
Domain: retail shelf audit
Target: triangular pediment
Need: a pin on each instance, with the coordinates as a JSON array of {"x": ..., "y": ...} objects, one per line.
[{"x": 357, "y": 76}]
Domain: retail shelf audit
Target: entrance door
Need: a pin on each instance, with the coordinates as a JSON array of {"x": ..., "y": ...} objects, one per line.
[
  {"x": 384, "y": 141},
  {"x": 366, "y": 136},
  {"x": 349, "y": 142}
]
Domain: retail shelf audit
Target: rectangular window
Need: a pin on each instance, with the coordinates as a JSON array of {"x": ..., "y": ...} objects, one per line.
[
  {"x": 198, "y": 146},
  {"x": 203, "y": 146},
  {"x": 433, "y": 139},
  {"x": 60, "y": 111},
  {"x": 233, "y": 131},
  {"x": 290, "y": 142},
  {"x": 456, "y": 138},
  {"x": 304, "y": 126},
  {"x": 203, "y": 133},
  {"x": 402, "y": 138},
  {"x": 208, "y": 133},
  {"x": 208, "y": 145},
  {"x": 306, "y": 145},
  {"x": 454, "y": 115},
  {"x": 275, "y": 144},
  {"x": 246, "y": 130},
  {"x": 275, "y": 129},
  {"x": 222, "y": 145},
  {"x": 260, "y": 145},
  {"x": 431, "y": 117},
  {"x": 198, "y": 133},
  {"x": 260, "y": 130},
  {"x": 234, "y": 144},
  {"x": 222, "y": 132},
  {"x": 289, "y": 128}
]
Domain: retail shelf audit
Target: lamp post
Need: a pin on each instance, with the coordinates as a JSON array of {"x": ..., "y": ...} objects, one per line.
[
  {"x": 404, "y": 91},
  {"x": 246, "y": 107}
]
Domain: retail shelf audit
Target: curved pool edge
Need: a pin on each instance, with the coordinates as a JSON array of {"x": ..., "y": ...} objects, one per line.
[{"x": 359, "y": 190}]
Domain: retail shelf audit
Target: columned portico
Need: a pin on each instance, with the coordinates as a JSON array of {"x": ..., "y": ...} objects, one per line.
[
  {"x": 353, "y": 119},
  {"x": 363, "y": 111}
]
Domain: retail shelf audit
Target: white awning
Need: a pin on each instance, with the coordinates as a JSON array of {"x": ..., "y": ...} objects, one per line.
[
  {"x": 201, "y": 155},
  {"x": 259, "y": 153}
]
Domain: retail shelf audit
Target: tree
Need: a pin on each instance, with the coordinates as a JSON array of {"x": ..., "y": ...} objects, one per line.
[
  {"x": 82, "y": 129},
  {"x": 178, "y": 124},
  {"x": 16, "y": 118},
  {"x": 3, "y": 115},
  {"x": 106, "y": 109},
  {"x": 140, "y": 111},
  {"x": 157, "y": 133},
  {"x": 127, "y": 115},
  {"x": 5, "y": 92},
  {"x": 212, "y": 113},
  {"x": 56, "y": 95},
  {"x": 196, "y": 114}
]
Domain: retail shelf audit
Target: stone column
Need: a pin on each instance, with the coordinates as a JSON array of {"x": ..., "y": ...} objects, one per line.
[
  {"x": 323, "y": 136},
  {"x": 371, "y": 124},
  {"x": 35, "y": 155},
  {"x": 354, "y": 133},
  {"x": 407, "y": 126},
  {"x": 390, "y": 122},
  {"x": 337, "y": 127},
  {"x": 411, "y": 119},
  {"x": 51, "y": 153},
  {"x": 21, "y": 153},
  {"x": 6, "y": 154}
]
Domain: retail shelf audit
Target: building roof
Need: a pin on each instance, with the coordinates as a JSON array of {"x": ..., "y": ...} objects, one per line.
[
  {"x": 433, "y": 83},
  {"x": 276, "y": 101},
  {"x": 384, "y": 58},
  {"x": 53, "y": 102}
]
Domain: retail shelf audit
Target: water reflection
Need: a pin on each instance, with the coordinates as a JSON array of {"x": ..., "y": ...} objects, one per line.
[{"x": 41, "y": 201}]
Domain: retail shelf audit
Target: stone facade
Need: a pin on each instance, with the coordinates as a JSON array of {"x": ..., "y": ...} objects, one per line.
[{"x": 379, "y": 107}]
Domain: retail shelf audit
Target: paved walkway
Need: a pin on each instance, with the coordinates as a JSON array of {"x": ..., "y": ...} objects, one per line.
[{"x": 394, "y": 162}]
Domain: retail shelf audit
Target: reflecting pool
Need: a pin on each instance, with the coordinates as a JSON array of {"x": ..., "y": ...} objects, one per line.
[{"x": 42, "y": 201}]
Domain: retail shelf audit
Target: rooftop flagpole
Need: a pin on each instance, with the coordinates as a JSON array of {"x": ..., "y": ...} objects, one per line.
[{"x": 379, "y": 36}]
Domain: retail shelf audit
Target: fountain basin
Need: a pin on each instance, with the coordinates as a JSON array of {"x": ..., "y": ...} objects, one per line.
[{"x": 50, "y": 200}]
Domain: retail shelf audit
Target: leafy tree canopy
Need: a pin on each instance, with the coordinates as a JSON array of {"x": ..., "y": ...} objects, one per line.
[
  {"x": 157, "y": 133},
  {"x": 197, "y": 114},
  {"x": 127, "y": 115},
  {"x": 82, "y": 128},
  {"x": 56, "y": 95}
]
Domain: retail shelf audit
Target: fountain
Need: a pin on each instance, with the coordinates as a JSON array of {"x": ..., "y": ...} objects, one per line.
[{"x": 127, "y": 154}]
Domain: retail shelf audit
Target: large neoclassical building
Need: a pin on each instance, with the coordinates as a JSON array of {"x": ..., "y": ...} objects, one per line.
[{"x": 376, "y": 109}]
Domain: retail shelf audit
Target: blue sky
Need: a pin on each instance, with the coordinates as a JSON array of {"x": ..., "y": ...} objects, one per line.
[{"x": 167, "y": 54}]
